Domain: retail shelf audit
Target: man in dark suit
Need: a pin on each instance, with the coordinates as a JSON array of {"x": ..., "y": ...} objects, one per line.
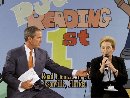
[
  {"x": 18, "y": 62},
  {"x": 108, "y": 71}
]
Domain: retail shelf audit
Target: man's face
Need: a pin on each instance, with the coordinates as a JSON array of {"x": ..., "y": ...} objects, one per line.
[
  {"x": 36, "y": 41},
  {"x": 106, "y": 48}
]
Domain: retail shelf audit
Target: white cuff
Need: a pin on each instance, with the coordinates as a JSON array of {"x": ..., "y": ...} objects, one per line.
[
  {"x": 74, "y": 73},
  {"x": 19, "y": 88}
]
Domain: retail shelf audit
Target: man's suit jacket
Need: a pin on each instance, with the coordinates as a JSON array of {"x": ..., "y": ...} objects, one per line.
[
  {"x": 97, "y": 88},
  {"x": 16, "y": 64}
]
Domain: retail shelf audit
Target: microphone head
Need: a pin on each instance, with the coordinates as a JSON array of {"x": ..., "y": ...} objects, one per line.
[{"x": 106, "y": 55}]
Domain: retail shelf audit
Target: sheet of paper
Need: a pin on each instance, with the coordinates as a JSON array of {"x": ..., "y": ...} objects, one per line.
[{"x": 28, "y": 75}]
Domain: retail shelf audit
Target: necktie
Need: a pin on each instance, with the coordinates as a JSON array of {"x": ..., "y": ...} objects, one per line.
[{"x": 30, "y": 61}]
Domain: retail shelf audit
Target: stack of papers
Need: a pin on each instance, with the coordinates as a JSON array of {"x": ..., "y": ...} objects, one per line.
[{"x": 28, "y": 75}]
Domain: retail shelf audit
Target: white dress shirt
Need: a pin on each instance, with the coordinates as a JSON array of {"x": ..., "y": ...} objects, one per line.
[
  {"x": 28, "y": 54},
  {"x": 108, "y": 76}
]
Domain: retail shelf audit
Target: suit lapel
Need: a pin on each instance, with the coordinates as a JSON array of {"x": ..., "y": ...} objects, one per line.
[
  {"x": 114, "y": 62},
  {"x": 37, "y": 61}
]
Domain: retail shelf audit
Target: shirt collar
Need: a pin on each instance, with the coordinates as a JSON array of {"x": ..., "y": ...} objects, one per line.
[{"x": 27, "y": 49}]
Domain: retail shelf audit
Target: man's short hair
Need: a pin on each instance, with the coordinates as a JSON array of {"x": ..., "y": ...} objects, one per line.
[{"x": 30, "y": 32}]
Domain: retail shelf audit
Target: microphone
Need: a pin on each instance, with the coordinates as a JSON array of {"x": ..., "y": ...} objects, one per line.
[{"x": 106, "y": 67}]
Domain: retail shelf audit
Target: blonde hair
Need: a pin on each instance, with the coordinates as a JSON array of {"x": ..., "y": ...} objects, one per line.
[{"x": 108, "y": 39}]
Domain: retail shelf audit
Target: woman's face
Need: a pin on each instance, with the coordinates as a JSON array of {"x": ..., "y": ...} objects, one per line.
[{"x": 107, "y": 49}]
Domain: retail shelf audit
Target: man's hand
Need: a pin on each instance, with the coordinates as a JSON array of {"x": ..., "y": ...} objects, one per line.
[
  {"x": 82, "y": 73},
  {"x": 27, "y": 84}
]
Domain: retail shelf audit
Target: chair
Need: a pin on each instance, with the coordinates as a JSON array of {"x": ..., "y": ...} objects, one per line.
[
  {"x": 3, "y": 91},
  {"x": 0, "y": 78},
  {"x": 88, "y": 66},
  {"x": 88, "y": 69}
]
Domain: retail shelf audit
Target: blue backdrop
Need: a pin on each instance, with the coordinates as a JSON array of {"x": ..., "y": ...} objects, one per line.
[{"x": 11, "y": 35}]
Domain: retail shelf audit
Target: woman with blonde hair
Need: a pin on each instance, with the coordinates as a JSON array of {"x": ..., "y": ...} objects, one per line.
[{"x": 108, "y": 73}]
